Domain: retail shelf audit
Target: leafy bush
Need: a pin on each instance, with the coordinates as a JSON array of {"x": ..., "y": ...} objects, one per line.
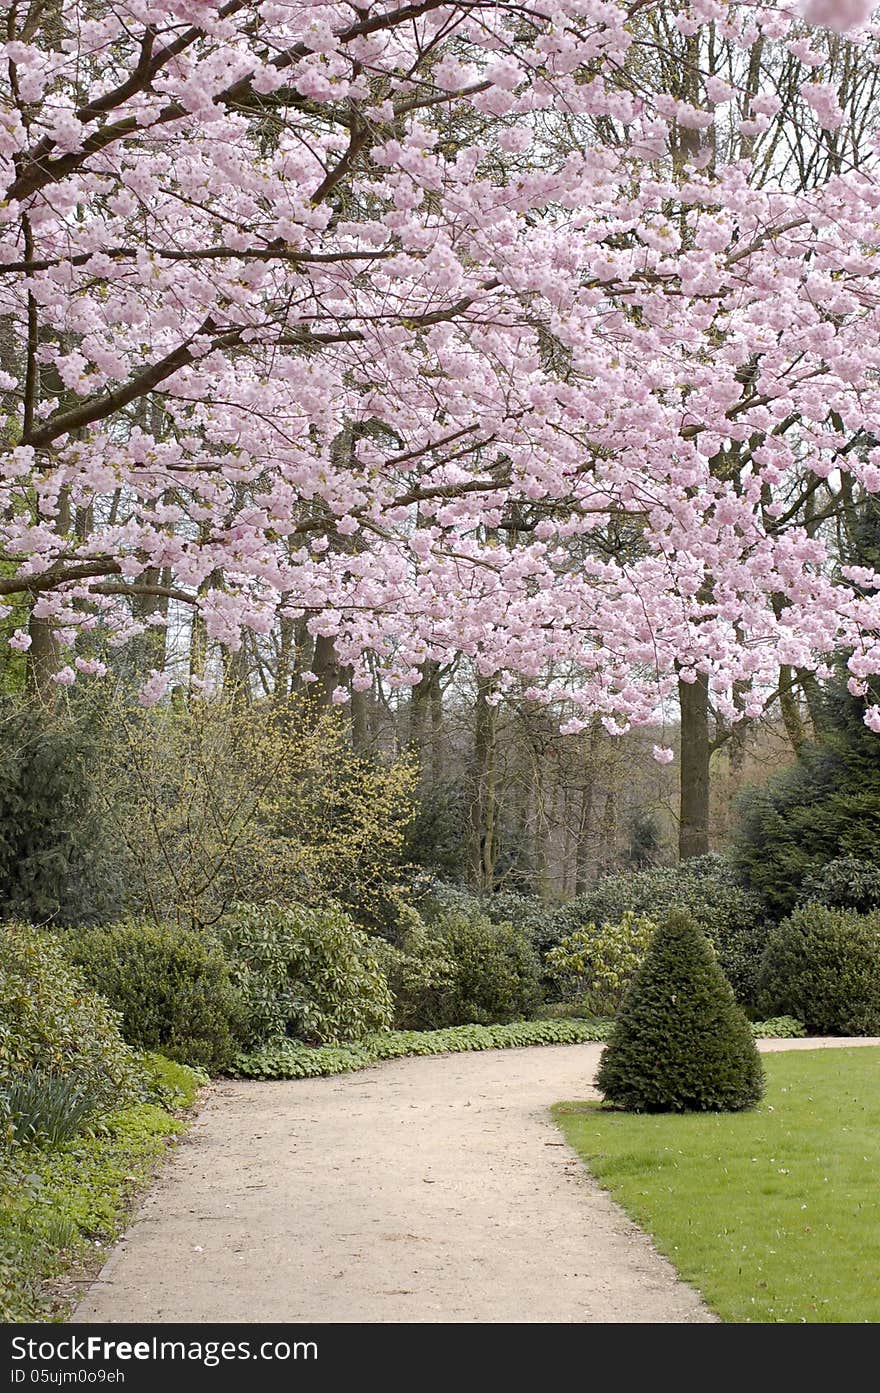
[
  {"x": 528, "y": 913},
  {"x": 51, "y": 1025},
  {"x": 211, "y": 796},
  {"x": 420, "y": 974},
  {"x": 531, "y": 915},
  {"x": 46, "y": 1109},
  {"x": 172, "y": 987},
  {"x": 288, "y": 1059},
  {"x": 779, "y": 1028},
  {"x": 308, "y": 973},
  {"x": 461, "y": 969},
  {"x": 681, "y": 1043},
  {"x": 823, "y": 966},
  {"x": 707, "y": 888},
  {"x": 599, "y": 961},
  {"x": 845, "y": 883}
]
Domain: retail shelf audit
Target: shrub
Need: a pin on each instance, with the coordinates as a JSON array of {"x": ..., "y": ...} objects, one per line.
[
  {"x": 306, "y": 972},
  {"x": 463, "y": 969},
  {"x": 823, "y": 966},
  {"x": 50, "y": 1024},
  {"x": 779, "y": 1028},
  {"x": 681, "y": 1043},
  {"x": 172, "y": 987},
  {"x": 531, "y": 915},
  {"x": 212, "y": 795},
  {"x": 598, "y": 962},
  {"x": 420, "y": 975},
  {"x": 845, "y": 883},
  {"x": 707, "y": 888},
  {"x": 169, "y": 1084}
]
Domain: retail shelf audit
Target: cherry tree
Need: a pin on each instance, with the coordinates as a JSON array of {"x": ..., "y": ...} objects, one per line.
[{"x": 310, "y": 314}]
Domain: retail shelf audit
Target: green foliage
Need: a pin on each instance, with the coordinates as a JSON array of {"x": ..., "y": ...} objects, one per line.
[
  {"x": 845, "y": 883},
  {"x": 287, "y": 1059},
  {"x": 57, "y": 855},
  {"x": 462, "y": 968},
  {"x": 824, "y": 808},
  {"x": 50, "y": 1024},
  {"x": 823, "y": 966},
  {"x": 707, "y": 888},
  {"x": 599, "y": 961},
  {"x": 46, "y": 1109},
  {"x": 172, "y": 987},
  {"x": 227, "y": 800},
  {"x": 680, "y": 1043},
  {"x": 169, "y": 1084},
  {"x": 528, "y": 913},
  {"x": 420, "y": 974},
  {"x": 779, "y": 1028},
  {"x": 305, "y": 972},
  {"x": 61, "y": 1206},
  {"x": 437, "y": 837}
]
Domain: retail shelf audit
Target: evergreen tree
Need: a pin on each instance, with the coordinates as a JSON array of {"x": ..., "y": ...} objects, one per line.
[
  {"x": 59, "y": 862},
  {"x": 681, "y": 1043},
  {"x": 825, "y": 806}
]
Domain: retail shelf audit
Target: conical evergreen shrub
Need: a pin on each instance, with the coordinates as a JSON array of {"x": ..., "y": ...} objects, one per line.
[{"x": 681, "y": 1043}]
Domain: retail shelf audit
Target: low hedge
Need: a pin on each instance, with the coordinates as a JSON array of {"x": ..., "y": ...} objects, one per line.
[{"x": 288, "y": 1059}]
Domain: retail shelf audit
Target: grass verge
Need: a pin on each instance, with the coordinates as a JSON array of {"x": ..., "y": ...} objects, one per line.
[
  {"x": 774, "y": 1214},
  {"x": 60, "y": 1208}
]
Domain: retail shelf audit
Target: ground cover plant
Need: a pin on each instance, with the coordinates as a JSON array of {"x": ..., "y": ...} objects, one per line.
[
  {"x": 773, "y": 1214},
  {"x": 62, "y": 1204},
  {"x": 289, "y": 1059}
]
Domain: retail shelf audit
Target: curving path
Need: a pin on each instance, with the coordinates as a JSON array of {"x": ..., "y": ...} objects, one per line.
[{"x": 422, "y": 1190}]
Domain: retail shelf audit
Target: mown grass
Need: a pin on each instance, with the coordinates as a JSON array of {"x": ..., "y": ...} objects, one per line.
[
  {"x": 774, "y": 1214},
  {"x": 60, "y": 1208}
]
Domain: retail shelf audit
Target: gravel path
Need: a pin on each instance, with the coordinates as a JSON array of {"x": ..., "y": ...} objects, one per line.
[{"x": 423, "y": 1190}]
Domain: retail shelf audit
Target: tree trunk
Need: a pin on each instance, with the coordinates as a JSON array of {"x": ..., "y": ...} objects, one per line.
[
  {"x": 483, "y": 810},
  {"x": 360, "y": 725},
  {"x": 693, "y": 827},
  {"x": 790, "y": 710},
  {"x": 42, "y": 661},
  {"x": 325, "y": 666}
]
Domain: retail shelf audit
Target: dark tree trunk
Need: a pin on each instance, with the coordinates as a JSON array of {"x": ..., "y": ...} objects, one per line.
[
  {"x": 483, "y": 852},
  {"x": 693, "y": 828},
  {"x": 42, "y": 661}
]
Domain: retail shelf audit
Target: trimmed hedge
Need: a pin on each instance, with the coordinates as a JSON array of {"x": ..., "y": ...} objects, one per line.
[
  {"x": 172, "y": 988},
  {"x": 823, "y": 965},
  {"x": 681, "y": 1043}
]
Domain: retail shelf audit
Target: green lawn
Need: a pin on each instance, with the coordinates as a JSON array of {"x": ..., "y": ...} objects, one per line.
[{"x": 773, "y": 1214}]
